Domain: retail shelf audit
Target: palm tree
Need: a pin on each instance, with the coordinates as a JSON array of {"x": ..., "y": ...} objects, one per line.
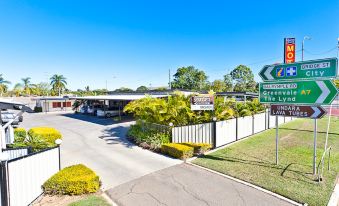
[
  {"x": 17, "y": 89},
  {"x": 26, "y": 83},
  {"x": 58, "y": 83},
  {"x": 3, "y": 85}
]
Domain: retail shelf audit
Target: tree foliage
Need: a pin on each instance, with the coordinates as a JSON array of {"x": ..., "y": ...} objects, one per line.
[
  {"x": 176, "y": 109},
  {"x": 243, "y": 78},
  {"x": 142, "y": 89},
  {"x": 3, "y": 85},
  {"x": 58, "y": 83},
  {"x": 189, "y": 78}
]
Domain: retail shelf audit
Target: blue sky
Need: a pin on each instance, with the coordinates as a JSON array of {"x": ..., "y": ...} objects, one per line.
[{"x": 133, "y": 43}]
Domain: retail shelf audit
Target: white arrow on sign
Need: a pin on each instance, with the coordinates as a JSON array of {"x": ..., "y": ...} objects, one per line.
[
  {"x": 324, "y": 92},
  {"x": 268, "y": 73},
  {"x": 316, "y": 112}
]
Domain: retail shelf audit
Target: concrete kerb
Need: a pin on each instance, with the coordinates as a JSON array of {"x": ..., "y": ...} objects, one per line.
[
  {"x": 334, "y": 200},
  {"x": 109, "y": 200}
]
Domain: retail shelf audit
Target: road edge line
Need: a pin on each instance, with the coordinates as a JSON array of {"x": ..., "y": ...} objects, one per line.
[{"x": 249, "y": 184}]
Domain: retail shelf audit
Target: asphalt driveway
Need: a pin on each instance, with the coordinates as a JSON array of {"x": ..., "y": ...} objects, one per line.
[
  {"x": 183, "y": 185},
  {"x": 101, "y": 145}
]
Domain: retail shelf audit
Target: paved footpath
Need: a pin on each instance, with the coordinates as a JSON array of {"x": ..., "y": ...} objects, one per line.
[{"x": 186, "y": 185}]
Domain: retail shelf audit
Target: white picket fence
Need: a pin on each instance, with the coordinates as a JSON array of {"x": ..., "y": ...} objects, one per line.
[
  {"x": 224, "y": 132},
  {"x": 25, "y": 175},
  {"x": 15, "y": 153}
]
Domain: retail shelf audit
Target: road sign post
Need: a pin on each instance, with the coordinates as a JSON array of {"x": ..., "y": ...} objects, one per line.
[
  {"x": 298, "y": 92},
  {"x": 313, "y": 69}
]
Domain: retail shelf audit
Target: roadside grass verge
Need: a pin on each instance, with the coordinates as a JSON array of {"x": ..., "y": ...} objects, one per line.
[
  {"x": 92, "y": 200},
  {"x": 253, "y": 160}
]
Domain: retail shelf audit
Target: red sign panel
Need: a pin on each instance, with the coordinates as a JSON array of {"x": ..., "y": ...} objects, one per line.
[{"x": 289, "y": 48}]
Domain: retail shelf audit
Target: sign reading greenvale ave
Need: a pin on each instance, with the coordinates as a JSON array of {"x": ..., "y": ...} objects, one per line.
[
  {"x": 298, "y": 92},
  {"x": 313, "y": 69}
]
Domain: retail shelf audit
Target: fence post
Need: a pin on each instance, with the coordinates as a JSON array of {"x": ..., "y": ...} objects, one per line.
[
  {"x": 252, "y": 124},
  {"x": 59, "y": 157},
  {"x": 214, "y": 134},
  {"x": 236, "y": 129},
  {"x": 4, "y": 184}
]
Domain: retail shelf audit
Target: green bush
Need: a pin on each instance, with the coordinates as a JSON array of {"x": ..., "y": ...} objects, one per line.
[
  {"x": 37, "y": 109},
  {"x": 19, "y": 135},
  {"x": 47, "y": 134},
  {"x": 177, "y": 150},
  {"x": 73, "y": 180},
  {"x": 153, "y": 138},
  {"x": 199, "y": 148}
]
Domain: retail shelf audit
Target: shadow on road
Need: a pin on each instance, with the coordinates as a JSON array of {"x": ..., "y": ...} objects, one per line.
[
  {"x": 91, "y": 119},
  {"x": 116, "y": 135}
]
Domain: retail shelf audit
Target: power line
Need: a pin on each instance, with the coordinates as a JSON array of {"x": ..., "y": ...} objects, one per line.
[{"x": 325, "y": 52}]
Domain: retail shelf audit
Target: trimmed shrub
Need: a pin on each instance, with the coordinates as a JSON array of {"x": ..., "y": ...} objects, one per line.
[
  {"x": 37, "y": 109},
  {"x": 177, "y": 150},
  {"x": 19, "y": 135},
  {"x": 199, "y": 148},
  {"x": 73, "y": 180},
  {"x": 47, "y": 134},
  {"x": 148, "y": 139}
]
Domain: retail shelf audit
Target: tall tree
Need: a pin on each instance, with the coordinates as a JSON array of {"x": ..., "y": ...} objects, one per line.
[
  {"x": 142, "y": 89},
  {"x": 218, "y": 86},
  {"x": 17, "y": 90},
  {"x": 189, "y": 78},
  {"x": 58, "y": 83},
  {"x": 124, "y": 89},
  {"x": 228, "y": 83},
  {"x": 244, "y": 79},
  {"x": 3, "y": 85}
]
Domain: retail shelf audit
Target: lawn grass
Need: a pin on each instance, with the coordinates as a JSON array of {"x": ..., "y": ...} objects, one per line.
[
  {"x": 253, "y": 160},
  {"x": 92, "y": 200}
]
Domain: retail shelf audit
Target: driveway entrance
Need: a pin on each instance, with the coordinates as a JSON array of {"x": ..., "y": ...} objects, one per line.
[{"x": 101, "y": 145}]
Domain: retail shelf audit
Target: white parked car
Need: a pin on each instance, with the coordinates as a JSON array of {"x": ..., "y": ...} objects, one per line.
[{"x": 108, "y": 113}]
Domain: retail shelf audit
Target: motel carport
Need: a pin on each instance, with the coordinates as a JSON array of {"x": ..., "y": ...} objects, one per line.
[{"x": 115, "y": 102}]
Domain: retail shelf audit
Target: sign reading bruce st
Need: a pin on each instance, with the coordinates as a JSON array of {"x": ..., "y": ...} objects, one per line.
[{"x": 202, "y": 103}]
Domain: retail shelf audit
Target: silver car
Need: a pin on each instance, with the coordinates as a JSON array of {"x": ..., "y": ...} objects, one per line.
[{"x": 7, "y": 116}]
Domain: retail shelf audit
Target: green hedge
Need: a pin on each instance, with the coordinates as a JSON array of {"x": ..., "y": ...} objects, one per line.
[
  {"x": 73, "y": 180},
  {"x": 47, "y": 134},
  {"x": 19, "y": 134},
  {"x": 149, "y": 138},
  {"x": 177, "y": 150},
  {"x": 199, "y": 148}
]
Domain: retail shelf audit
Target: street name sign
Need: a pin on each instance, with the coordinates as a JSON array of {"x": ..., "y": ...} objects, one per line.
[
  {"x": 202, "y": 103},
  {"x": 298, "y": 92},
  {"x": 313, "y": 69},
  {"x": 314, "y": 112}
]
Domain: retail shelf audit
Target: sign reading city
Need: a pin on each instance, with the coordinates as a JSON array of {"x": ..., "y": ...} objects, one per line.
[
  {"x": 314, "y": 112},
  {"x": 202, "y": 102},
  {"x": 298, "y": 92},
  {"x": 314, "y": 69},
  {"x": 289, "y": 50}
]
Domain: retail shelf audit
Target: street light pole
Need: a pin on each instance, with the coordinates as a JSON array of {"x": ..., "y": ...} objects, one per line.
[{"x": 302, "y": 46}]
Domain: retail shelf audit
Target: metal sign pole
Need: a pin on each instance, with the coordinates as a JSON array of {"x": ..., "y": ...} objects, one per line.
[
  {"x": 315, "y": 147},
  {"x": 276, "y": 140}
]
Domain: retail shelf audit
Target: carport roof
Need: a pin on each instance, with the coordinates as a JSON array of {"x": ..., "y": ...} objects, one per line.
[
  {"x": 8, "y": 104},
  {"x": 117, "y": 97}
]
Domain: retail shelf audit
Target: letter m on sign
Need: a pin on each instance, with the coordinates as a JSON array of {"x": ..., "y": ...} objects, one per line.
[{"x": 290, "y": 48}]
